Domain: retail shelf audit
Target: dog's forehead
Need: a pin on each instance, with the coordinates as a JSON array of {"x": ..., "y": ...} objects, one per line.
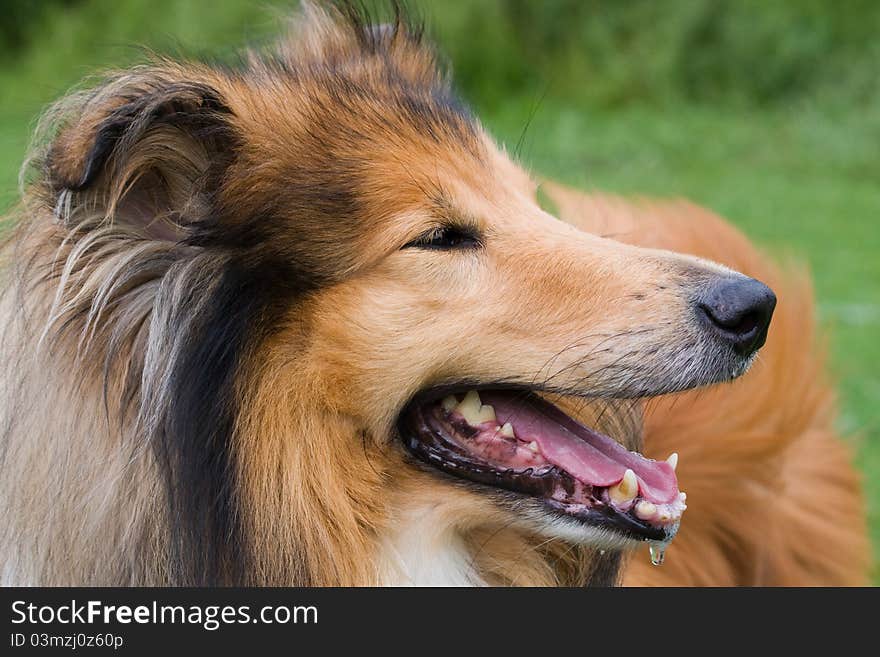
[
  {"x": 345, "y": 145},
  {"x": 333, "y": 122},
  {"x": 408, "y": 190}
]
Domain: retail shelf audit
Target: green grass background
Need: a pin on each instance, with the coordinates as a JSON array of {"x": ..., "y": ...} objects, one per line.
[{"x": 767, "y": 111}]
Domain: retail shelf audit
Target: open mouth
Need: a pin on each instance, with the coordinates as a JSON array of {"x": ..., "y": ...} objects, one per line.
[{"x": 517, "y": 441}]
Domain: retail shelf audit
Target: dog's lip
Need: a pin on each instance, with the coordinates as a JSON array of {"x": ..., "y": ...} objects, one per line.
[
  {"x": 610, "y": 518},
  {"x": 425, "y": 440}
]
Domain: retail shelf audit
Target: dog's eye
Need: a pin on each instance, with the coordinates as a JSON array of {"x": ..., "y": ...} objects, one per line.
[{"x": 445, "y": 238}]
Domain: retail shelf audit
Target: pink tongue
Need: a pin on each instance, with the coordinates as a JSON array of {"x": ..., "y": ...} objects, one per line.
[{"x": 586, "y": 455}]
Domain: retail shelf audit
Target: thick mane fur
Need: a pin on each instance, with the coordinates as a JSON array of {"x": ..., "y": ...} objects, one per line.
[{"x": 141, "y": 303}]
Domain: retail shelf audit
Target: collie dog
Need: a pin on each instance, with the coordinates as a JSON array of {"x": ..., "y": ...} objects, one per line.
[{"x": 301, "y": 322}]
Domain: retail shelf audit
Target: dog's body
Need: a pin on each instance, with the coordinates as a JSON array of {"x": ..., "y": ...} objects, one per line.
[{"x": 229, "y": 289}]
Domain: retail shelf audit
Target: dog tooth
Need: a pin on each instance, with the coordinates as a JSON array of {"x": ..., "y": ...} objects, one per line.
[
  {"x": 534, "y": 447},
  {"x": 486, "y": 414},
  {"x": 469, "y": 407},
  {"x": 683, "y": 496},
  {"x": 673, "y": 460},
  {"x": 645, "y": 510},
  {"x": 507, "y": 430},
  {"x": 450, "y": 402},
  {"x": 626, "y": 490}
]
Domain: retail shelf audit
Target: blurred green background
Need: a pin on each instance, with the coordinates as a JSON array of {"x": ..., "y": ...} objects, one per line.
[{"x": 767, "y": 111}]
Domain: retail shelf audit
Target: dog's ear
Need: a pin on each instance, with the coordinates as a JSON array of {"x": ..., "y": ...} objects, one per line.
[{"x": 146, "y": 150}]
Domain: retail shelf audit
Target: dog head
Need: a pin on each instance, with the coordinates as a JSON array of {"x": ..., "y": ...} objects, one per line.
[{"x": 351, "y": 307}]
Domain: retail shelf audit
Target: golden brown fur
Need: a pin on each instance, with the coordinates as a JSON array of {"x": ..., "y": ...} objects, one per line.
[{"x": 212, "y": 321}]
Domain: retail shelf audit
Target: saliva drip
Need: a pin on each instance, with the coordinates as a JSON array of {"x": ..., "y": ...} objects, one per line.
[
  {"x": 657, "y": 549},
  {"x": 658, "y": 553}
]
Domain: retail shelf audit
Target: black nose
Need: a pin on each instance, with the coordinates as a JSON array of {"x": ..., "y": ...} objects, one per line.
[{"x": 739, "y": 311}]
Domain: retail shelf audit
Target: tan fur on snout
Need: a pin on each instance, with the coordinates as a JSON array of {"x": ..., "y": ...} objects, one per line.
[{"x": 219, "y": 299}]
